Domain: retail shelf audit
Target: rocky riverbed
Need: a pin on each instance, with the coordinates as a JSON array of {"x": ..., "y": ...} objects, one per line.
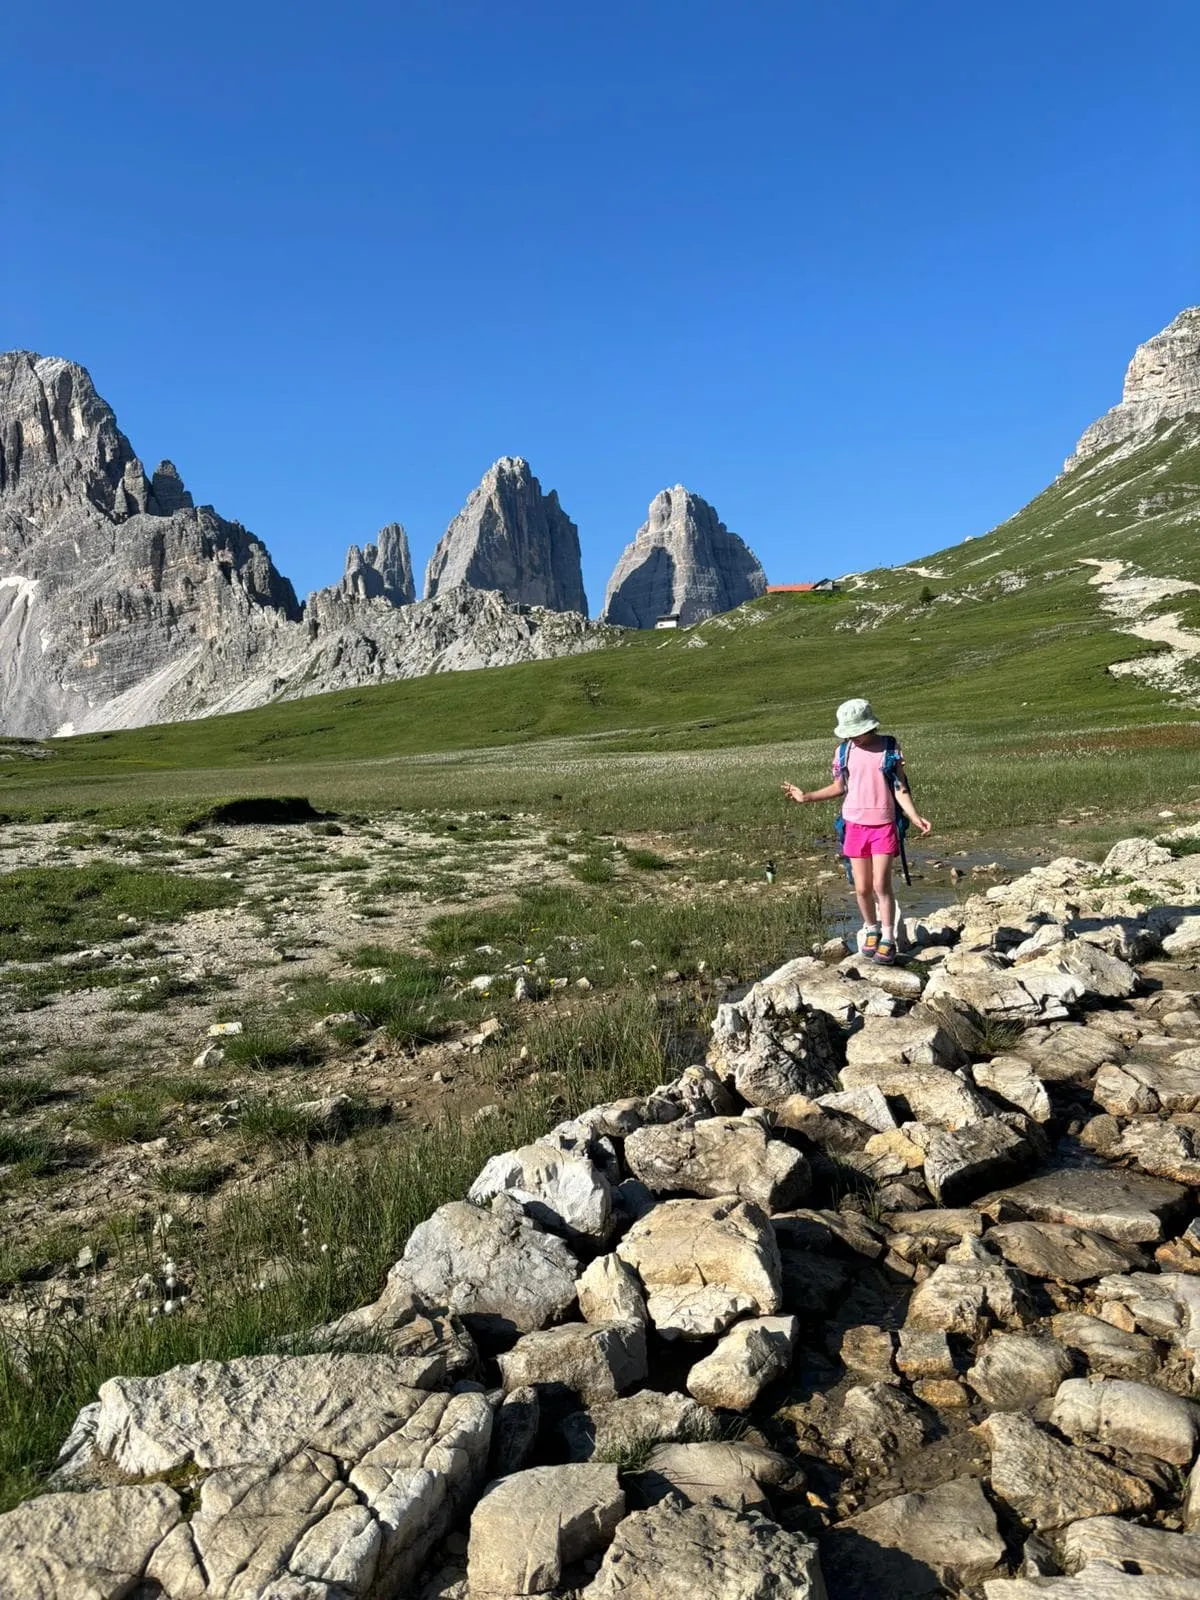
[{"x": 897, "y": 1293}]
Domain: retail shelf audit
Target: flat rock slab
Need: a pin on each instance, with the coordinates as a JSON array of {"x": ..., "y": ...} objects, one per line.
[
  {"x": 84, "y": 1546},
  {"x": 529, "y": 1526},
  {"x": 968, "y": 1297},
  {"x": 1095, "y": 1582},
  {"x": 704, "y": 1263},
  {"x": 496, "y": 1269},
  {"x": 1125, "y": 1206},
  {"x": 1110, "y": 1351},
  {"x": 611, "y": 1426},
  {"x": 963, "y": 1164},
  {"x": 720, "y": 1156},
  {"x": 1057, "y": 1251},
  {"x": 1052, "y": 1484},
  {"x": 1116, "y": 1542},
  {"x": 914, "y": 1545},
  {"x": 925, "y": 1093},
  {"x": 674, "y": 1552},
  {"x": 262, "y": 1409}
]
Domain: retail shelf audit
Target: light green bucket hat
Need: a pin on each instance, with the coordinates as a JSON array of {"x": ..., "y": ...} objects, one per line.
[{"x": 854, "y": 717}]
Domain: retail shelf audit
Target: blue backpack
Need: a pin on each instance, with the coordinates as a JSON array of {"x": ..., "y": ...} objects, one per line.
[{"x": 892, "y": 771}]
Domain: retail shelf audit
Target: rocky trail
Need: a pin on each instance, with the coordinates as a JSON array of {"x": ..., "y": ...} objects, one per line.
[{"x": 897, "y": 1293}]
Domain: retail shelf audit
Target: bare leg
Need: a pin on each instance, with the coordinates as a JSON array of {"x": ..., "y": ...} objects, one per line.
[
  {"x": 881, "y": 876},
  {"x": 864, "y": 889}
]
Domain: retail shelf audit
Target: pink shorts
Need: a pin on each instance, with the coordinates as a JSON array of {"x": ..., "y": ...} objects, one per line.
[{"x": 867, "y": 839}]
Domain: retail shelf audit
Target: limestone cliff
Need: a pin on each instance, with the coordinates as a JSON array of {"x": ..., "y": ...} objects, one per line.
[
  {"x": 107, "y": 575},
  {"x": 684, "y": 562},
  {"x": 1162, "y": 382},
  {"x": 514, "y": 539}
]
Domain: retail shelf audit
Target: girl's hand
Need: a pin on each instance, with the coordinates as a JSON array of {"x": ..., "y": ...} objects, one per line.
[
  {"x": 798, "y": 795},
  {"x": 925, "y": 827}
]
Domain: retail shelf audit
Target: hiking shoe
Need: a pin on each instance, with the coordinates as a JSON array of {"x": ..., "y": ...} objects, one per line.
[
  {"x": 885, "y": 953},
  {"x": 870, "y": 942}
]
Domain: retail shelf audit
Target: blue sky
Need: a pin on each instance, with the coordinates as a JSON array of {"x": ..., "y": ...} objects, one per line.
[{"x": 859, "y": 272}]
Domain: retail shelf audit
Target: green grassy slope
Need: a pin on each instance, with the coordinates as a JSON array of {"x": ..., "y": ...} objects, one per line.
[{"x": 1007, "y": 642}]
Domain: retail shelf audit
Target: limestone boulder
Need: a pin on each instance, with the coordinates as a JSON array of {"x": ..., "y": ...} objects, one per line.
[
  {"x": 1011, "y": 1079},
  {"x": 968, "y": 1297},
  {"x": 528, "y": 1527},
  {"x": 877, "y": 1422},
  {"x": 609, "y": 1291},
  {"x": 612, "y": 1427},
  {"x": 594, "y": 1360},
  {"x": 901, "y": 1041},
  {"x": 1014, "y": 1370},
  {"x": 749, "y": 1357},
  {"x": 494, "y": 1268},
  {"x": 703, "y": 1264},
  {"x": 1168, "y": 1149},
  {"x": 676, "y": 1552},
  {"x": 93, "y": 1546},
  {"x": 768, "y": 1054},
  {"x": 563, "y": 1193},
  {"x": 1113, "y": 1542},
  {"x": 1140, "y": 1088},
  {"x": 732, "y": 1472},
  {"x": 932, "y": 1095},
  {"x": 720, "y": 1156},
  {"x": 965, "y": 1163},
  {"x": 1133, "y": 1416},
  {"x": 1109, "y": 1351},
  {"x": 915, "y": 1545},
  {"x": 1052, "y": 1484}
]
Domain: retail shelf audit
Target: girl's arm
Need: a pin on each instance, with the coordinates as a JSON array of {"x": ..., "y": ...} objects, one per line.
[
  {"x": 905, "y": 801},
  {"x": 831, "y": 791}
]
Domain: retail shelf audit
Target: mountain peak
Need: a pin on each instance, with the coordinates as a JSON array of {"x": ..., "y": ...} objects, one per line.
[
  {"x": 683, "y": 562},
  {"x": 512, "y": 537},
  {"x": 1162, "y": 382},
  {"x": 381, "y": 570}
]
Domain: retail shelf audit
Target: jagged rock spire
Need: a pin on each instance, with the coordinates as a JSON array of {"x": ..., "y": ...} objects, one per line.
[
  {"x": 513, "y": 538},
  {"x": 381, "y": 570},
  {"x": 684, "y": 562}
]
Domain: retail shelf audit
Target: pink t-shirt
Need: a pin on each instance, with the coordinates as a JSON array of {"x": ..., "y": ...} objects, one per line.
[{"x": 868, "y": 793}]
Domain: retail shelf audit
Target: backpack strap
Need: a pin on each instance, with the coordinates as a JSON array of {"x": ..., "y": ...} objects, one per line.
[{"x": 843, "y": 760}]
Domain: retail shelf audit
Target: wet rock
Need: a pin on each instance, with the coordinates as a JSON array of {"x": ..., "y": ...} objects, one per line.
[
  {"x": 720, "y": 1156},
  {"x": 968, "y": 1297},
  {"x": 673, "y": 1552},
  {"x": 914, "y": 1545},
  {"x": 732, "y": 1472},
  {"x": 495, "y": 1269},
  {"x": 528, "y": 1527},
  {"x": 609, "y": 1291},
  {"x": 749, "y": 1357},
  {"x": 561, "y": 1192},
  {"x": 704, "y": 1263},
  {"x": 1052, "y": 1484},
  {"x": 1055, "y": 1250},
  {"x": 1015, "y": 1370},
  {"x": 1119, "y": 1205},
  {"x": 596, "y": 1361},
  {"x": 1133, "y": 1416},
  {"x": 877, "y": 1422}
]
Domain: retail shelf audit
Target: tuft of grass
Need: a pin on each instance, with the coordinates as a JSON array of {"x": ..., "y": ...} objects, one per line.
[
  {"x": 28, "y": 1151},
  {"x": 593, "y": 869},
  {"x": 646, "y": 860},
  {"x": 193, "y": 1177},
  {"x": 21, "y": 1091},
  {"x": 47, "y": 911},
  {"x": 266, "y": 1047}
]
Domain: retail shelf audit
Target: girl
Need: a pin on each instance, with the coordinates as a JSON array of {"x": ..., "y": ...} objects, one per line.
[{"x": 872, "y": 842}]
